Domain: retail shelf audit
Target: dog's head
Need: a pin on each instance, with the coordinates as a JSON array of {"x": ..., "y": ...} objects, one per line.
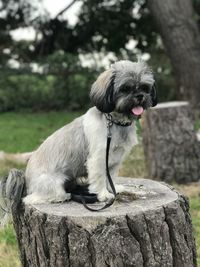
[{"x": 127, "y": 87}]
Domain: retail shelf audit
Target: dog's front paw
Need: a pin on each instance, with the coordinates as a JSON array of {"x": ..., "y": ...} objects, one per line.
[
  {"x": 119, "y": 188},
  {"x": 104, "y": 195}
]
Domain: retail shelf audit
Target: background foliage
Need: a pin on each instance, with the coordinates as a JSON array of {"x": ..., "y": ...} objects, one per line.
[
  {"x": 48, "y": 72},
  {"x": 55, "y": 70}
]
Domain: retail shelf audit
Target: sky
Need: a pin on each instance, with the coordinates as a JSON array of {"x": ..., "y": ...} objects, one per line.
[{"x": 53, "y": 7}]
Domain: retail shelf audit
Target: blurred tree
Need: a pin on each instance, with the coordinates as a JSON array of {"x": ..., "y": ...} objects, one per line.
[
  {"x": 96, "y": 28},
  {"x": 179, "y": 30},
  {"x": 124, "y": 27},
  {"x": 15, "y": 14},
  {"x": 38, "y": 75}
]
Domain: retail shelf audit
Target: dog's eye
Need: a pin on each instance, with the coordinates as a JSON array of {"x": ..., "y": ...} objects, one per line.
[
  {"x": 126, "y": 89},
  {"x": 145, "y": 88}
]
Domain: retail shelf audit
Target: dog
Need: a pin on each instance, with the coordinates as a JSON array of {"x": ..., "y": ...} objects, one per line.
[{"x": 123, "y": 92}]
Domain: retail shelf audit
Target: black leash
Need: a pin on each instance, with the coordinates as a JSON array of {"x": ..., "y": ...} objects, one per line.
[{"x": 82, "y": 198}]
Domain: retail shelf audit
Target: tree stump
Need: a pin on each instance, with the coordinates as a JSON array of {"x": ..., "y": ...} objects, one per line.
[
  {"x": 149, "y": 227},
  {"x": 171, "y": 147}
]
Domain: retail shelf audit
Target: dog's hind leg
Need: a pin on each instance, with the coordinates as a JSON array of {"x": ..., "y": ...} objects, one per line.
[{"x": 46, "y": 188}]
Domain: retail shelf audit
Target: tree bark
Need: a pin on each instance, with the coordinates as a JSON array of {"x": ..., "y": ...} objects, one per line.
[
  {"x": 171, "y": 147},
  {"x": 176, "y": 23},
  {"x": 149, "y": 227}
]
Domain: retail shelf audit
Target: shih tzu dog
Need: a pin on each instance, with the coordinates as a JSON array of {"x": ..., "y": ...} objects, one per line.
[{"x": 78, "y": 149}]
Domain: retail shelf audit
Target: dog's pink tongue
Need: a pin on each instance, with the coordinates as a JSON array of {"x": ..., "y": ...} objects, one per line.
[{"x": 137, "y": 110}]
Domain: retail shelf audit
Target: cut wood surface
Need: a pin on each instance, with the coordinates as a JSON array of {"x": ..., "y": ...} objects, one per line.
[
  {"x": 149, "y": 227},
  {"x": 171, "y": 146}
]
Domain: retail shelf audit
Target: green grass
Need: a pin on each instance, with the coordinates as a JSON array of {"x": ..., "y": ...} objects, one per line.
[
  {"x": 8, "y": 248},
  {"x": 197, "y": 126},
  {"x": 20, "y": 132},
  {"x": 134, "y": 165},
  {"x": 23, "y": 132},
  {"x": 7, "y": 236},
  {"x": 6, "y": 165}
]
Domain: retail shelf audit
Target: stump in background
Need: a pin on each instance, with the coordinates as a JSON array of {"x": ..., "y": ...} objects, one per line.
[
  {"x": 150, "y": 227},
  {"x": 171, "y": 148}
]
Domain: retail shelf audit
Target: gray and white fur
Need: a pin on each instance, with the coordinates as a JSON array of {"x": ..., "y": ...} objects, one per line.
[{"x": 78, "y": 149}]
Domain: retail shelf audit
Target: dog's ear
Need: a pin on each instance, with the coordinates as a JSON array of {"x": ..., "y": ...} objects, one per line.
[
  {"x": 154, "y": 96},
  {"x": 102, "y": 92}
]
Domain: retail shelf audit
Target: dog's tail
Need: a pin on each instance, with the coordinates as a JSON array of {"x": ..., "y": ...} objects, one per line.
[{"x": 12, "y": 187}]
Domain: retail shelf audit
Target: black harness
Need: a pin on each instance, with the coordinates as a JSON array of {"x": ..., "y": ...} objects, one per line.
[{"x": 81, "y": 193}]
